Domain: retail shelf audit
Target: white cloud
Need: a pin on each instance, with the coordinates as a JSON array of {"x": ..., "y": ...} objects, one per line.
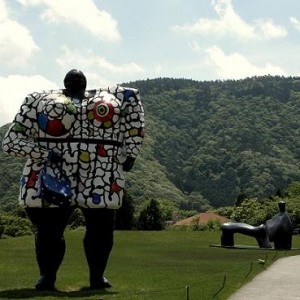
[
  {"x": 267, "y": 30},
  {"x": 16, "y": 43},
  {"x": 14, "y": 89},
  {"x": 89, "y": 62},
  {"x": 81, "y": 12},
  {"x": 236, "y": 66},
  {"x": 295, "y": 22},
  {"x": 3, "y": 11},
  {"x": 229, "y": 23}
]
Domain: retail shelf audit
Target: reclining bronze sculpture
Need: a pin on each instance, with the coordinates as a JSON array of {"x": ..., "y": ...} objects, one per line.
[{"x": 279, "y": 230}]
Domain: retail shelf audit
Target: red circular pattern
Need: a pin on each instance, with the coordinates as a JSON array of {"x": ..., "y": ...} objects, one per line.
[
  {"x": 55, "y": 128},
  {"x": 103, "y": 111}
]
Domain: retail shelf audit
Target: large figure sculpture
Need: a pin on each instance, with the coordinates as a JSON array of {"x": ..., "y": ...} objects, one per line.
[
  {"x": 94, "y": 135},
  {"x": 279, "y": 230}
]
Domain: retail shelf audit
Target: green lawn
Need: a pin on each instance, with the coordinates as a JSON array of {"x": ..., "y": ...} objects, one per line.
[{"x": 143, "y": 265}]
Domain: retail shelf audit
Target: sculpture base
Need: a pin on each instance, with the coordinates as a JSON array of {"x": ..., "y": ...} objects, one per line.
[{"x": 250, "y": 247}]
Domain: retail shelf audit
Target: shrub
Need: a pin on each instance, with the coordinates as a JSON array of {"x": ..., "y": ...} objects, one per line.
[
  {"x": 1, "y": 230},
  {"x": 255, "y": 212},
  {"x": 76, "y": 219},
  {"x": 14, "y": 226}
]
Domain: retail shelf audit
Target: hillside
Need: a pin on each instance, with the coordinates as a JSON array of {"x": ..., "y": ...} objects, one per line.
[
  {"x": 225, "y": 138},
  {"x": 207, "y": 142}
]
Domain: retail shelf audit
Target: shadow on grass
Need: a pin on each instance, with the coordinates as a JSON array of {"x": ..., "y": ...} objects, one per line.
[{"x": 27, "y": 293}]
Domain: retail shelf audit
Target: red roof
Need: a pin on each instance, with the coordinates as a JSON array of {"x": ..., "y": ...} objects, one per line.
[{"x": 204, "y": 218}]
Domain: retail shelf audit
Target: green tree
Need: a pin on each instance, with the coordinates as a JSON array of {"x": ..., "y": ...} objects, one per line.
[
  {"x": 125, "y": 214},
  {"x": 150, "y": 217},
  {"x": 254, "y": 212},
  {"x": 293, "y": 189}
]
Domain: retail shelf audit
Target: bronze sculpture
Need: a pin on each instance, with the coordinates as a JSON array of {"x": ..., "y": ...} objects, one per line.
[{"x": 278, "y": 230}]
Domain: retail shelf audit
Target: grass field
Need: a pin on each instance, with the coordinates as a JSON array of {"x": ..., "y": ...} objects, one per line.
[{"x": 143, "y": 265}]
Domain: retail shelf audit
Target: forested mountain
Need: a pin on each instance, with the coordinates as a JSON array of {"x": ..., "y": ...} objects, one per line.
[{"x": 207, "y": 142}]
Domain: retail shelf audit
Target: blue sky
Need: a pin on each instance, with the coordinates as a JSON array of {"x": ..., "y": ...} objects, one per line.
[{"x": 115, "y": 41}]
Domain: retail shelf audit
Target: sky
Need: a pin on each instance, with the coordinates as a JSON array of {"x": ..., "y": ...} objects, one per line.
[{"x": 118, "y": 41}]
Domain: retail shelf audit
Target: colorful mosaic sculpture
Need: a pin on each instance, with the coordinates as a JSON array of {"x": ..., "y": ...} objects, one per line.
[{"x": 93, "y": 136}]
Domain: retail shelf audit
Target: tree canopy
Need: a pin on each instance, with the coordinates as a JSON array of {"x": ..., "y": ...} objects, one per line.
[{"x": 207, "y": 143}]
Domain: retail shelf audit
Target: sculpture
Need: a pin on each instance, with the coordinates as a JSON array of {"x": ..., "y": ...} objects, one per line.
[
  {"x": 94, "y": 136},
  {"x": 279, "y": 230}
]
